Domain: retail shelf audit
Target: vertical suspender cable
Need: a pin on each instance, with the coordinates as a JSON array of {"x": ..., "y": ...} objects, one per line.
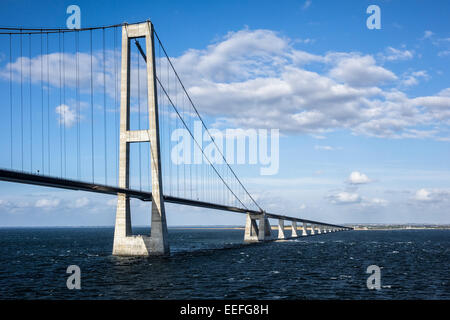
[
  {"x": 115, "y": 106},
  {"x": 77, "y": 61},
  {"x": 139, "y": 116},
  {"x": 31, "y": 105},
  {"x": 163, "y": 137},
  {"x": 21, "y": 95},
  {"x": 104, "y": 107},
  {"x": 92, "y": 112},
  {"x": 48, "y": 109},
  {"x": 64, "y": 103},
  {"x": 10, "y": 100},
  {"x": 60, "y": 106},
  {"x": 42, "y": 103}
]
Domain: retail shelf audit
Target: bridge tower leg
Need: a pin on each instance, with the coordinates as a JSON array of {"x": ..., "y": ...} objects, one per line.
[{"x": 125, "y": 243}]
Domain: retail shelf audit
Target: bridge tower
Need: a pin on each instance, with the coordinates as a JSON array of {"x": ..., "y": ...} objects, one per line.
[{"x": 125, "y": 244}]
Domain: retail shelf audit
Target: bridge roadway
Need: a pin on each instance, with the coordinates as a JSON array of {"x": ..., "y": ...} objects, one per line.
[{"x": 47, "y": 181}]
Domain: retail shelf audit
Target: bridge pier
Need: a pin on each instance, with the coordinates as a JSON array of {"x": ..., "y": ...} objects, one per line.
[
  {"x": 124, "y": 243},
  {"x": 281, "y": 234},
  {"x": 265, "y": 230},
  {"x": 294, "y": 229},
  {"x": 251, "y": 229},
  {"x": 318, "y": 229},
  {"x": 255, "y": 232},
  {"x": 305, "y": 230}
]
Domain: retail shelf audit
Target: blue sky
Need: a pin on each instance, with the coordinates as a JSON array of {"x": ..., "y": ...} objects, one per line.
[{"x": 364, "y": 114}]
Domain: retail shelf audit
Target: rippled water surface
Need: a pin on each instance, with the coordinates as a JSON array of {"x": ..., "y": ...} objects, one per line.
[{"x": 214, "y": 264}]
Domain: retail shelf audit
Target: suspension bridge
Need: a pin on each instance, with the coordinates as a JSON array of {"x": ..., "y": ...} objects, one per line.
[{"x": 94, "y": 110}]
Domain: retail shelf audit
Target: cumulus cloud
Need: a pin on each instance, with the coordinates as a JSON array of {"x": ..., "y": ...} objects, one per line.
[
  {"x": 66, "y": 115},
  {"x": 15, "y": 206},
  {"x": 259, "y": 79},
  {"x": 393, "y": 54},
  {"x": 344, "y": 197},
  {"x": 358, "y": 178},
  {"x": 263, "y": 82},
  {"x": 431, "y": 195},
  {"x": 65, "y": 64},
  {"x": 412, "y": 78},
  {"x": 427, "y": 34},
  {"x": 47, "y": 203},
  {"x": 361, "y": 71}
]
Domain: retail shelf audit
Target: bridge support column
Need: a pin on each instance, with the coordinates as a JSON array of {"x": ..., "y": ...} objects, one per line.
[
  {"x": 124, "y": 243},
  {"x": 312, "y": 229},
  {"x": 255, "y": 232},
  {"x": 294, "y": 229},
  {"x": 251, "y": 229},
  {"x": 281, "y": 234},
  {"x": 318, "y": 229},
  {"x": 265, "y": 230},
  {"x": 305, "y": 230}
]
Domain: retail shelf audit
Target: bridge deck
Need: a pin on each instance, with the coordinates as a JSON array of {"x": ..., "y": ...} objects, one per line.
[{"x": 41, "y": 180}]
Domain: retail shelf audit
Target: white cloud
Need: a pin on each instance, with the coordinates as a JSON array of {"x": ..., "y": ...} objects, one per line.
[
  {"x": 258, "y": 79},
  {"x": 326, "y": 148},
  {"x": 444, "y": 53},
  {"x": 81, "y": 202},
  {"x": 66, "y": 115},
  {"x": 65, "y": 65},
  {"x": 263, "y": 76},
  {"x": 358, "y": 178},
  {"x": 427, "y": 34},
  {"x": 431, "y": 195},
  {"x": 344, "y": 198},
  {"x": 307, "y": 4},
  {"x": 361, "y": 71},
  {"x": 378, "y": 202},
  {"x": 397, "y": 54},
  {"x": 47, "y": 203},
  {"x": 411, "y": 79}
]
